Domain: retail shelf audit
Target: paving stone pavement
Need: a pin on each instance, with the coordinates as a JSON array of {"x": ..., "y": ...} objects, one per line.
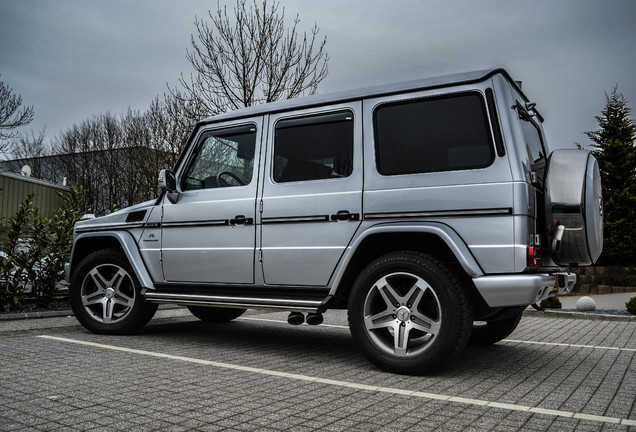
[{"x": 260, "y": 374}]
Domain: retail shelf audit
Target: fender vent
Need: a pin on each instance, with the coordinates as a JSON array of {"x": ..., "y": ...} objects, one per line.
[{"x": 137, "y": 216}]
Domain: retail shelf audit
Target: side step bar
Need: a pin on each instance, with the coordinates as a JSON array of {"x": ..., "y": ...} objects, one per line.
[{"x": 314, "y": 306}]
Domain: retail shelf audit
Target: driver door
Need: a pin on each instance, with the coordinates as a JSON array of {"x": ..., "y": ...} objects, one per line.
[{"x": 208, "y": 232}]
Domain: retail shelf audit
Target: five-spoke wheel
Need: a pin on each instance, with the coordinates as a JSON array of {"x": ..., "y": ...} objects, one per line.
[
  {"x": 105, "y": 295},
  {"x": 408, "y": 313},
  {"x": 402, "y": 314},
  {"x": 108, "y": 293}
]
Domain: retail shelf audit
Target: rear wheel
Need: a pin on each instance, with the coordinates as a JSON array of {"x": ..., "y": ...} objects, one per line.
[
  {"x": 492, "y": 332},
  {"x": 409, "y": 313},
  {"x": 105, "y": 295},
  {"x": 215, "y": 314}
]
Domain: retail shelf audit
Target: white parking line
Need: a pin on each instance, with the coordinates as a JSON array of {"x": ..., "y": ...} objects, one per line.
[
  {"x": 365, "y": 387},
  {"x": 504, "y": 340},
  {"x": 571, "y": 345}
]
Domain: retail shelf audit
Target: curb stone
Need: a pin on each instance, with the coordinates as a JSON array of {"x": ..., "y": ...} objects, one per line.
[
  {"x": 54, "y": 314},
  {"x": 578, "y": 315},
  {"x": 35, "y": 315}
]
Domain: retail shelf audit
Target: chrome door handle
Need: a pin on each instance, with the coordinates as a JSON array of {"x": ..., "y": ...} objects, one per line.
[
  {"x": 241, "y": 220},
  {"x": 344, "y": 215}
]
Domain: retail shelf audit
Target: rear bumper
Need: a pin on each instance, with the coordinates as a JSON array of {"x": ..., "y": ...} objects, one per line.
[{"x": 523, "y": 290}]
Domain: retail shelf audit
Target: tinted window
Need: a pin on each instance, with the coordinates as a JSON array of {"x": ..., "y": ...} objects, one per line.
[
  {"x": 534, "y": 144},
  {"x": 223, "y": 158},
  {"x": 314, "y": 148},
  {"x": 437, "y": 134}
]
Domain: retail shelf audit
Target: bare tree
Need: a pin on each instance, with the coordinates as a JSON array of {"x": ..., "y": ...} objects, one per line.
[
  {"x": 29, "y": 145},
  {"x": 29, "y": 148},
  {"x": 240, "y": 59},
  {"x": 249, "y": 58},
  {"x": 11, "y": 115},
  {"x": 115, "y": 158},
  {"x": 77, "y": 160},
  {"x": 171, "y": 121}
]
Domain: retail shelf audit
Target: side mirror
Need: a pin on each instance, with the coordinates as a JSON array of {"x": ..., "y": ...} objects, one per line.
[{"x": 167, "y": 181}]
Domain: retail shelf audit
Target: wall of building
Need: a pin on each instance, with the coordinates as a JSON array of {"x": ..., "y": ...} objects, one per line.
[{"x": 14, "y": 190}]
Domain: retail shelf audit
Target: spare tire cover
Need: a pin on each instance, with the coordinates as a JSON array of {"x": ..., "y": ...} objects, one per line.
[{"x": 573, "y": 197}]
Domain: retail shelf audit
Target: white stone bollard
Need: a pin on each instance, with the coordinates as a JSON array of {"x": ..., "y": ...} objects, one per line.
[{"x": 585, "y": 304}]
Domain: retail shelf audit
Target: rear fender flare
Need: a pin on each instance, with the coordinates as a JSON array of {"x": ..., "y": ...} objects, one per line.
[{"x": 444, "y": 232}]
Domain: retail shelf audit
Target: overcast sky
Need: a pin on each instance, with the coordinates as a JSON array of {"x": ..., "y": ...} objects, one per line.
[{"x": 72, "y": 59}]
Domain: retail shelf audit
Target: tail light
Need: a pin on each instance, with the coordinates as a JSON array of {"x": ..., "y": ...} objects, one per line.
[{"x": 535, "y": 256}]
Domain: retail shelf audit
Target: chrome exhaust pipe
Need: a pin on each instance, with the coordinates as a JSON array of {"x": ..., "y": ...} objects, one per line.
[
  {"x": 314, "y": 318},
  {"x": 296, "y": 318}
]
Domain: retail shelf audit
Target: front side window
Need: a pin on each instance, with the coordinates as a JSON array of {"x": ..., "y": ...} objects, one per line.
[
  {"x": 436, "y": 134},
  {"x": 224, "y": 158},
  {"x": 314, "y": 148}
]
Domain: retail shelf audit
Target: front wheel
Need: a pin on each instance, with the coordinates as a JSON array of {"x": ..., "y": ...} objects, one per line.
[
  {"x": 409, "y": 313},
  {"x": 106, "y": 297}
]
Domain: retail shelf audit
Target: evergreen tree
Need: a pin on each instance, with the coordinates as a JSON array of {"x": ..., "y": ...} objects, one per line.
[{"x": 616, "y": 155}]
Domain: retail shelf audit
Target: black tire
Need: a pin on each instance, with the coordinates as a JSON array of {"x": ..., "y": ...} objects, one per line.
[
  {"x": 493, "y": 331},
  {"x": 215, "y": 314},
  {"x": 106, "y": 296},
  {"x": 422, "y": 301}
]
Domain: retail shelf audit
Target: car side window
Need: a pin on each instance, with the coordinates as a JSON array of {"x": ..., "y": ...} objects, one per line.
[
  {"x": 433, "y": 134},
  {"x": 314, "y": 147},
  {"x": 532, "y": 138},
  {"x": 223, "y": 158}
]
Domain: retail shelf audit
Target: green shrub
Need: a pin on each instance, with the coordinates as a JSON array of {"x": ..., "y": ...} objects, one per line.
[
  {"x": 631, "y": 306},
  {"x": 37, "y": 248},
  {"x": 550, "y": 303},
  {"x": 52, "y": 240},
  {"x": 12, "y": 269}
]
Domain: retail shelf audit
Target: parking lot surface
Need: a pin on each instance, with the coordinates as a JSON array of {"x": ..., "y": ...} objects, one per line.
[{"x": 259, "y": 373}]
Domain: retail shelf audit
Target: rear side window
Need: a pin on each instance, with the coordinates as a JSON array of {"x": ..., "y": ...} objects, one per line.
[
  {"x": 314, "y": 147},
  {"x": 532, "y": 138},
  {"x": 437, "y": 134}
]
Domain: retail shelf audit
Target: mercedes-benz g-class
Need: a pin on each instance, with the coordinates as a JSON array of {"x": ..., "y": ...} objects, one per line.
[{"x": 431, "y": 210}]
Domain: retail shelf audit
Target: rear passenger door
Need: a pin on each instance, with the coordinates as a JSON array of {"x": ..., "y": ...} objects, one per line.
[{"x": 311, "y": 202}]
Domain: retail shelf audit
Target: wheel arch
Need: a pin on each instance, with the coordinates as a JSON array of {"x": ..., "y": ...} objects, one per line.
[
  {"x": 87, "y": 243},
  {"x": 432, "y": 238}
]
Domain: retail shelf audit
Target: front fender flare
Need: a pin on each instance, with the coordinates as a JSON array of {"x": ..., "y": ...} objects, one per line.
[{"x": 128, "y": 246}]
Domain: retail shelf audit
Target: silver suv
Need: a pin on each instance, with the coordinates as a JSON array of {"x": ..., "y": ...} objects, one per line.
[{"x": 431, "y": 210}]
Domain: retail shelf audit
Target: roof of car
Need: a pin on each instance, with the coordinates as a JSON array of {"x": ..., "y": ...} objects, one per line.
[{"x": 348, "y": 95}]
